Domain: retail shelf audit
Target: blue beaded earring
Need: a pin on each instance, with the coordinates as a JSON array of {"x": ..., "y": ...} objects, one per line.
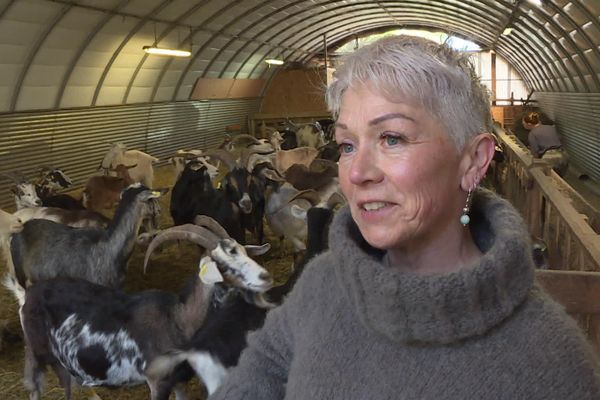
[{"x": 464, "y": 218}]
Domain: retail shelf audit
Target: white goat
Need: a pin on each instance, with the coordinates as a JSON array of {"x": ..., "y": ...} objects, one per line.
[
  {"x": 9, "y": 224},
  {"x": 143, "y": 171}
]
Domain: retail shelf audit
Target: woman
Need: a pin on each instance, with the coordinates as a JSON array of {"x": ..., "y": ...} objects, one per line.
[
  {"x": 427, "y": 289},
  {"x": 544, "y": 143}
]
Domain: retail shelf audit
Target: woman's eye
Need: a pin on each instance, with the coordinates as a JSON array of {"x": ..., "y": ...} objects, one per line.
[
  {"x": 391, "y": 140},
  {"x": 346, "y": 148}
]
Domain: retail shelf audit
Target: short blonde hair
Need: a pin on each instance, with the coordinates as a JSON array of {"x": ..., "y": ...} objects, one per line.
[{"x": 435, "y": 76}]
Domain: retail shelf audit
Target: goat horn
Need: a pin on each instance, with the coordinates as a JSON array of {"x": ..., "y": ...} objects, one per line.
[
  {"x": 212, "y": 225},
  {"x": 224, "y": 156},
  {"x": 311, "y": 195},
  {"x": 191, "y": 232}
]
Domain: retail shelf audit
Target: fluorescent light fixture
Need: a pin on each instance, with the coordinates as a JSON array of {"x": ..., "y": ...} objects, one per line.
[
  {"x": 274, "y": 61},
  {"x": 536, "y": 2},
  {"x": 507, "y": 31},
  {"x": 166, "y": 52}
]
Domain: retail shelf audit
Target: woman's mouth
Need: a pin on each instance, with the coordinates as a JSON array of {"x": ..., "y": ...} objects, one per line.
[{"x": 374, "y": 205}]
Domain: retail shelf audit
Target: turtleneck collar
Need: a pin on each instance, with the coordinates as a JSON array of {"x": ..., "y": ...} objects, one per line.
[{"x": 442, "y": 308}]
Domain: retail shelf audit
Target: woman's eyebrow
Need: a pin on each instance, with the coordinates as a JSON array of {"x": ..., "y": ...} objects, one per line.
[{"x": 386, "y": 117}]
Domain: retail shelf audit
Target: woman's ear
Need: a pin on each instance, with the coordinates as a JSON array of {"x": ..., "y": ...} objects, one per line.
[{"x": 477, "y": 156}]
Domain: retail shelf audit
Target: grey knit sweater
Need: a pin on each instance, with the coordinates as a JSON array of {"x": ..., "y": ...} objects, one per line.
[{"x": 356, "y": 329}]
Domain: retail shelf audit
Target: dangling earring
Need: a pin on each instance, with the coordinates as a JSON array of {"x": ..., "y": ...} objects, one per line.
[{"x": 464, "y": 218}]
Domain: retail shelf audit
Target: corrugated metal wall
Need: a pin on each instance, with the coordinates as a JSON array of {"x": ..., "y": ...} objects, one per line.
[
  {"x": 578, "y": 120},
  {"x": 76, "y": 140}
]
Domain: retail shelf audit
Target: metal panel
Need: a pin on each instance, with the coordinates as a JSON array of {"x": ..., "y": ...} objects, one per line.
[
  {"x": 576, "y": 116},
  {"x": 76, "y": 140}
]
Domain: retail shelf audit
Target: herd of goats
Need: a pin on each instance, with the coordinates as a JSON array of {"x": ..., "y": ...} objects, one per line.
[{"x": 67, "y": 261}]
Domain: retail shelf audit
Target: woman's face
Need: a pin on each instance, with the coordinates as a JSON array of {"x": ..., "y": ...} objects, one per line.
[{"x": 399, "y": 170}]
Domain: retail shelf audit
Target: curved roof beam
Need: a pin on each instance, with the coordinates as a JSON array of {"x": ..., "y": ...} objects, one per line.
[
  {"x": 547, "y": 61},
  {"x": 589, "y": 42},
  {"x": 402, "y": 6},
  {"x": 33, "y": 52},
  {"x": 7, "y": 7},
  {"x": 117, "y": 51},
  {"x": 338, "y": 9},
  {"x": 174, "y": 25},
  {"x": 190, "y": 63},
  {"x": 471, "y": 32},
  {"x": 245, "y": 14},
  {"x": 258, "y": 34},
  {"x": 531, "y": 26},
  {"x": 80, "y": 51}
]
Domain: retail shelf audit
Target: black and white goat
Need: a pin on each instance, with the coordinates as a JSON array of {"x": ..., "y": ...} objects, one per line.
[
  {"x": 51, "y": 181},
  {"x": 105, "y": 337},
  {"x": 218, "y": 344},
  {"x": 24, "y": 191},
  {"x": 46, "y": 249}
]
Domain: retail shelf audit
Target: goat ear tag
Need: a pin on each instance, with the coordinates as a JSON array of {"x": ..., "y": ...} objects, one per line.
[{"x": 209, "y": 273}]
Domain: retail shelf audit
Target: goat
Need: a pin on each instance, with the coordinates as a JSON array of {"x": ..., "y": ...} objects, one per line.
[
  {"x": 24, "y": 191},
  {"x": 102, "y": 192},
  {"x": 194, "y": 194},
  {"x": 300, "y": 155},
  {"x": 318, "y": 174},
  {"x": 218, "y": 344},
  {"x": 50, "y": 181},
  {"x": 318, "y": 219},
  {"x": 9, "y": 224},
  {"x": 46, "y": 249},
  {"x": 105, "y": 337},
  {"x": 310, "y": 135},
  {"x": 142, "y": 172},
  {"x": 182, "y": 157},
  {"x": 286, "y": 215}
]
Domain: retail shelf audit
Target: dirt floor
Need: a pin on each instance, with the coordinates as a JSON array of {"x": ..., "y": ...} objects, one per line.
[{"x": 168, "y": 270}]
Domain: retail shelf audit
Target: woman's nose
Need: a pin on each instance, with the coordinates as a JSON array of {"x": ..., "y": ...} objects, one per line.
[{"x": 364, "y": 167}]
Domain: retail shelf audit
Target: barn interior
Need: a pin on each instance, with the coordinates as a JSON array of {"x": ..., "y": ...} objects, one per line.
[{"x": 77, "y": 76}]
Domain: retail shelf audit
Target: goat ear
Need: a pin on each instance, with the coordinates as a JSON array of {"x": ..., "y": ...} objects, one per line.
[
  {"x": 209, "y": 272},
  {"x": 255, "y": 250}
]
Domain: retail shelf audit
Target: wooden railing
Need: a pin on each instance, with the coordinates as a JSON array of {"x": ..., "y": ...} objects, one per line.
[
  {"x": 553, "y": 210},
  {"x": 565, "y": 221}
]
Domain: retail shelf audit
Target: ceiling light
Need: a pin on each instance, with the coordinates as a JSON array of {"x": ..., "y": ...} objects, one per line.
[
  {"x": 538, "y": 3},
  {"x": 507, "y": 31},
  {"x": 166, "y": 52},
  {"x": 274, "y": 61}
]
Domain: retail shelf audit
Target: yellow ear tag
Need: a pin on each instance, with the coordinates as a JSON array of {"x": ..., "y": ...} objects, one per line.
[
  {"x": 155, "y": 193},
  {"x": 209, "y": 273}
]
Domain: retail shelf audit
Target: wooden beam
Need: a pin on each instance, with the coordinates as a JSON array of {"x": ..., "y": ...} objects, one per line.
[{"x": 577, "y": 291}]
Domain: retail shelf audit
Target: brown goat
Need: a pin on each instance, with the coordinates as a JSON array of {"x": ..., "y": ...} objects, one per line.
[{"x": 103, "y": 192}]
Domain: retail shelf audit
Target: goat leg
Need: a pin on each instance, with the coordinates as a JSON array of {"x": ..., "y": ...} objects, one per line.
[
  {"x": 33, "y": 375},
  {"x": 64, "y": 379}
]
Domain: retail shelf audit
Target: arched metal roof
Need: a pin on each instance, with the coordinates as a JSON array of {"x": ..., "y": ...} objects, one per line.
[{"x": 61, "y": 54}]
